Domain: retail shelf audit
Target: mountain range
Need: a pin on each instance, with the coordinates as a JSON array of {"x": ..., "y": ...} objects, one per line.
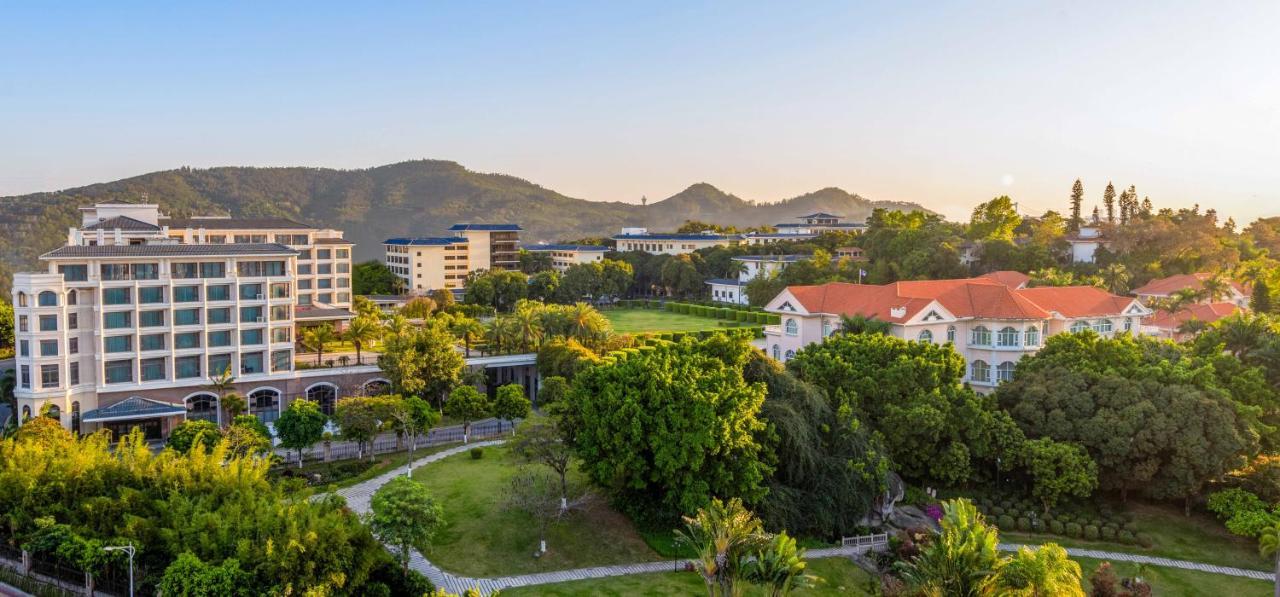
[{"x": 415, "y": 198}]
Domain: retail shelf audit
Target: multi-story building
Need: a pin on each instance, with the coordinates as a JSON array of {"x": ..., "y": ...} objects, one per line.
[
  {"x": 818, "y": 223},
  {"x": 764, "y": 238},
  {"x": 426, "y": 264},
  {"x": 640, "y": 239},
  {"x": 750, "y": 267},
  {"x": 492, "y": 246},
  {"x": 1085, "y": 243},
  {"x": 1178, "y": 325},
  {"x": 563, "y": 256},
  {"x": 989, "y": 323}
]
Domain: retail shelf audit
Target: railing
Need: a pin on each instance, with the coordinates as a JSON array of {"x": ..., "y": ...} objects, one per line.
[
  {"x": 345, "y": 450},
  {"x": 868, "y": 541}
]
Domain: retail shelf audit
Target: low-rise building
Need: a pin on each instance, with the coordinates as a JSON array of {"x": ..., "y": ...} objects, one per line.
[
  {"x": 640, "y": 239},
  {"x": 425, "y": 263},
  {"x": 1184, "y": 323},
  {"x": 750, "y": 267},
  {"x": 563, "y": 256},
  {"x": 1165, "y": 288},
  {"x": 989, "y": 323},
  {"x": 818, "y": 223},
  {"x": 851, "y": 253},
  {"x": 1086, "y": 242}
]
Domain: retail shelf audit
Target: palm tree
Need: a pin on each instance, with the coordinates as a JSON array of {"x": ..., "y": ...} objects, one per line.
[
  {"x": 1116, "y": 277},
  {"x": 361, "y": 330},
  {"x": 468, "y": 330},
  {"x": 397, "y": 325},
  {"x": 528, "y": 327},
  {"x": 1269, "y": 545},
  {"x": 857, "y": 324},
  {"x": 1037, "y": 573},
  {"x": 722, "y": 535},
  {"x": 778, "y": 567},
  {"x": 1215, "y": 287},
  {"x": 586, "y": 324},
  {"x": 1182, "y": 298},
  {"x": 222, "y": 384},
  {"x": 316, "y": 337},
  {"x": 501, "y": 333},
  {"x": 960, "y": 560}
]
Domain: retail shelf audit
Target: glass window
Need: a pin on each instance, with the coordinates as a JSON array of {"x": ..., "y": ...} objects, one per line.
[
  {"x": 186, "y": 340},
  {"x": 73, "y": 321},
  {"x": 73, "y": 373},
  {"x": 48, "y": 348},
  {"x": 184, "y": 271},
  {"x": 146, "y": 271},
  {"x": 324, "y": 282},
  {"x": 250, "y": 314},
  {"x": 792, "y": 328},
  {"x": 186, "y": 367},
  {"x": 213, "y": 269},
  {"x": 74, "y": 273},
  {"x": 151, "y": 369},
  {"x": 48, "y": 323},
  {"x": 117, "y": 319},
  {"x": 1004, "y": 372},
  {"x": 324, "y": 269},
  {"x": 1007, "y": 337},
  {"x": 304, "y": 284},
  {"x": 980, "y": 371},
  {"x": 71, "y": 297},
  {"x": 926, "y": 336},
  {"x": 265, "y": 404},
  {"x": 24, "y": 348},
  {"x": 346, "y": 283},
  {"x": 344, "y": 253},
  {"x": 151, "y": 294},
  {"x": 48, "y": 376},
  {"x": 219, "y": 363},
  {"x": 22, "y": 321},
  {"x": 279, "y": 290},
  {"x": 1079, "y": 326},
  {"x": 951, "y": 334},
  {"x": 344, "y": 297},
  {"x": 25, "y": 377},
  {"x": 202, "y": 407},
  {"x": 186, "y": 317},
  {"x": 250, "y": 337},
  {"x": 254, "y": 269},
  {"x": 1033, "y": 336},
  {"x": 117, "y": 343},
  {"x": 73, "y": 346},
  {"x": 151, "y": 342},
  {"x": 280, "y": 334},
  {"x": 219, "y": 338},
  {"x": 304, "y": 269},
  {"x": 220, "y": 315},
  {"x": 150, "y": 319},
  {"x": 280, "y": 312},
  {"x": 186, "y": 294},
  {"x": 250, "y": 291},
  {"x": 114, "y": 271},
  {"x": 47, "y": 299},
  {"x": 344, "y": 268},
  {"x": 324, "y": 254},
  {"x": 220, "y": 292},
  {"x": 251, "y": 363},
  {"x": 281, "y": 360},
  {"x": 325, "y": 297},
  {"x": 118, "y": 371},
  {"x": 980, "y": 336},
  {"x": 1102, "y": 326},
  {"x": 304, "y": 299},
  {"x": 116, "y": 296},
  {"x": 305, "y": 254}
]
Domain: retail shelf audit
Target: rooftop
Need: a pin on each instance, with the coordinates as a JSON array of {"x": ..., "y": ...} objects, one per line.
[
  {"x": 1206, "y": 312},
  {"x": 321, "y": 313},
  {"x": 122, "y": 223},
  {"x": 535, "y": 248},
  {"x": 132, "y": 408},
  {"x": 726, "y": 282},
  {"x": 837, "y": 225},
  {"x": 426, "y": 241},
  {"x": 217, "y": 223},
  {"x": 332, "y": 241},
  {"x": 488, "y": 227},
  {"x": 167, "y": 250},
  {"x": 821, "y": 214},
  {"x": 657, "y": 236},
  {"x": 773, "y": 258},
  {"x": 1168, "y": 286}
]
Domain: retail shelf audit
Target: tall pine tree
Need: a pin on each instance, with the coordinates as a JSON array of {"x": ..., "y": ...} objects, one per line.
[
  {"x": 1261, "y": 301},
  {"x": 1146, "y": 206},
  {"x": 1109, "y": 200},
  {"x": 1077, "y": 197}
]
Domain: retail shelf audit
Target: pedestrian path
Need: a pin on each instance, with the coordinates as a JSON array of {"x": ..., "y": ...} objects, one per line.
[
  {"x": 359, "y": 495},
  {"x": 1154, "y": 561}
]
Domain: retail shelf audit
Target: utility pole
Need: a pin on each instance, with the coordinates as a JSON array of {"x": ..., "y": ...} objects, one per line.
[{"x": 128, "y": 549}]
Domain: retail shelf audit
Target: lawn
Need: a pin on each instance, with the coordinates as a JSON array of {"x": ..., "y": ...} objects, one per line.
[
  {"x": 481, "y": 539},
  {"x": 1177, "y": 582},
  {"x": 639, "y": 321},
  {"x": 838, "y": 577}
]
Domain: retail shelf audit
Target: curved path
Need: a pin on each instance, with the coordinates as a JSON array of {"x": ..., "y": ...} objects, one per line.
[{"x": 358, "y": 497}]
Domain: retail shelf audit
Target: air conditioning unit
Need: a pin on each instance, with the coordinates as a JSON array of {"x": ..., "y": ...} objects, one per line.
[
  {"x": 259, "y": 297},
  {"x": 260, "y": 320}
]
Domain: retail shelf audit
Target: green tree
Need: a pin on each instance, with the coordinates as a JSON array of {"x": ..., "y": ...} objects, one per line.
[
  {"x": 778, "y": 567},
  {"x": 552, "y": 391},
  {"x": 6, "y": 326},
  {"x": 468, "y": 330},
  {"x": 1261, "y": 301},
  {"x": 1046, "y": 570},
  {"x": 544, "y": 285},
  {"x": 443, "y": 298},
  {"x": 188, "y": 576},
  {"x": 362, "y": 418},
  {"x": 532, "y": 262},
  {"x": 539, "y": 440},
  {"x": 1059, "y": 469},
  {"x": 1077, "y": 199},
  {"x": 536, "y": 493},
  {"x": 681, "y": 278},
  {"x": 418, "y": 307},
  {"x": 561, "y": 358},
  {"x": 722, "y": 535},
  {"x": 374, "y": 277},
  {"x": 960, "y": 560},
  {"x": 500, "y": 289},
  {"x": 511, "y": 403},
  {"x": 1269, "y": 546},
  {"x": 422, "y": 361},
  {"x": 467, "y": 404},
  {"x": 404, "y": 514},
  {"x": 994, "y": 220},
  {"x": 316, "y": 337},
  {"x": 194, "y": 432},
  {"x": 1116, "y": 277},
  {"x": 1109, "y": 201},
  {"x": 300, "y": 426},
  {"x": 361, "y": 331}
]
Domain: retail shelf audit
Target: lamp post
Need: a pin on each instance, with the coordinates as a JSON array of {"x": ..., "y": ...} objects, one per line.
[{"x": 128, "y": 549}]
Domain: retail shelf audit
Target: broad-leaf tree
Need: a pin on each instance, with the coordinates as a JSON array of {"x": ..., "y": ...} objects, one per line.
[
  {"x": 404, "y": 514},
  {"x": 300, "y": 426}
]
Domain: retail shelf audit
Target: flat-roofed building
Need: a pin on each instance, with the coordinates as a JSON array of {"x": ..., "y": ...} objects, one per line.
[
  {"x": 424, "y": 264},
  {"x": 750, "y": 267},
  {"x": 640, "y": 239},
  {"x": 492, "y": 246},
  {"x": 563, "y": 256},
  {"x": 819, "y": 223}
]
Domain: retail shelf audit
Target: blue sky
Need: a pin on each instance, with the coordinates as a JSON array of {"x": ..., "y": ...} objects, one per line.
[{"x": 946, "y": 104}]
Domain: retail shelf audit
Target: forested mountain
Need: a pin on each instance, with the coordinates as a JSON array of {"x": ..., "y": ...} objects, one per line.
[{"x": 416, "y": 198}]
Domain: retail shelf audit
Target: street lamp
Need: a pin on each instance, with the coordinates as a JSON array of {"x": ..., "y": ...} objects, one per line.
[{"x": 128, "y": 549}]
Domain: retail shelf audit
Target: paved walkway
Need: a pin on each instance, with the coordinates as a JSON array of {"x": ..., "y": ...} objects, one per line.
[
  {"x": 1155, "y": 561},
  {"x": 359, "y": 495}
]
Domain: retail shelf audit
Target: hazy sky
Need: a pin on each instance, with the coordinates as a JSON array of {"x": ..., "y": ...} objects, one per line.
[{"x": 946, "y": 104}]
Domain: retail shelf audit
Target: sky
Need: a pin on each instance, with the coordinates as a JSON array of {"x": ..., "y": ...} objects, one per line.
[{"x": 943, "y": 103}]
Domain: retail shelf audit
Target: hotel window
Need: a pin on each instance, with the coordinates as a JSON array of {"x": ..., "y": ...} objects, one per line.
[
  {"x": 151, "y": 342},
  {"x": 344, "y": 297},
  {"x": 250, "y": 314},
  {"x": 1007, "y": 336},
  {"x": 291, "y": 239},
  {"x": 151, "y": 369},
  {"x": 117, "y": 319},
  {"x": 72, "y": 297},
  {"x": 251, "y": 363},
  {"x": 256, "y": 269},
  {"x": 279, "y": 290},
  {"x": 250, "y": 238},
  {"x": 221, "y": 292},
  {"x": 25, "y": 377},
  {"x": 280, "y": 312},
  {"x": 1079, "y": 327},
  {"x": 186, "y": 367},
  {"x": 48, "y": 348},
  {"x": 216, "y": 316},
  {"x": 250, "y": 337},
  {"x": 280, "y": 335},
  {"x": 324, "y": 254},
  {"x": 304, "y": 299},
  {"x": 22, "y": 323},
  {"x": 324, "y": 269},
  {"x": 304, "y": 255},
  {"x": 22, "y": 299},
  {"x": 791, "y": 327},
  {"x": 186, "y": 317},
  {"x": 980, "y": 336},
  {"x": 325, "y": 297},
  {"x": 344, "y": 282},
  {"x": 151, "y": 294},
  {"x": 184, "y": 271},
  {"x": 73, "y": 346},
  {"x": 1128, "y": 324},
  {"x": 1033, "y": 336},
  {"x": 1102, "y": 326},
  {"x": 250, "y": 292},
  {"x": 304, "y": 269},
  {"x": 219, "y": 363},
  {"x": 281, "y": 361},
  {"x": 117, "y": 344},
  {"x": 73, "y": 374},
  {"x": 150, "y": 319},
  {"x": 186, "y": 340},
  {"x": 114, "y": 271},
  {"x": 24, "y": 348},
  {"x": 48, "y": 376},
  {"x": 213, "y": 269},
  {"x": 951, "y": 334},
  {"x": 146, "y": 271},
  {"x": 118, "y": 371},
  {"x": 1004, "y": 372},
  {"x": 304, "y": 284},
  {"x": 48, "y": 323},
  {"x": 116, "y": 296},
  {"x": 980, "y": 371},
  {"x": 791, "y": 354},
  {"x": 74, "y": 273},
  {"x": 343, "y": 253},
  {"x": 47, "y": 299},
  {"x": 324, "y": 283},
  {"x": 344, "y": 268},
  {"x": 926, "y": 336},
  {"x": 186, "y": 294},
  {"x": 220, "y": 338},
  {"x": 217, "y": 239}
]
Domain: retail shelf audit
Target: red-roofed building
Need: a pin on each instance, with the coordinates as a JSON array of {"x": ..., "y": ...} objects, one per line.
[
  {"x": 1167, "y": 324},
  {"x": 992, "y": 320},
  {"x": 1163, "y": 288}
]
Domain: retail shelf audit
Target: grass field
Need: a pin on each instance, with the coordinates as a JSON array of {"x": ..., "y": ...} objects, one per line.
[
  {"x": 638, "y": 321},
  {"x": 1174, "y": 582},
  {"x": 837, "y": 576},
  {"x": 482, "y": 539}
]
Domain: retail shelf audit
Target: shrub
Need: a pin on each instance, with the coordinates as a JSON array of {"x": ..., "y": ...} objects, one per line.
[
  {"x": 1005, "y": 522},
  {"x": 1131, "y": 527},
  {"x": 1056, "y": 527},
  {"x": 1125, "y": 537},
  {"x": 997, "y": 510},
  {"x": 1145, "y": 540},
  {"x": 1109, "y": 533},
  {"x": 1096, "y": 523},
  {"x": 1024, "y": 524},
  {"x": 1091, "y": 533},
  {"x": 1074, "y": 530},
  {"x": 477, "y": 453}
]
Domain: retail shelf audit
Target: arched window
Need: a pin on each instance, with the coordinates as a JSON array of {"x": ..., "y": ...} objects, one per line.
[
  {"x": 1102, "y": 326},
  {"x": 265, "y": 404},
  {"x": 1033, "y": 336},
  {"x": 75, "y": 418},
  {"x": 22, "y": 302},
  {"x": 376, "y": 387},
  {"x": 791, "y": 354},
  {"x": 980, "y": 371},
  {"x": 53, "y": 412},
  {"x": 1079, "y": 326},
  {"x": 72, "y": 297},
  {"x": 951, "y": 334},
  {"x": 1007, "y": 337},
  {"x": 47, "y": 299},
  {"x": 26, "y": 413},
  {"x": 1004, "y": 371},
  {"x": 792, "y": 328},
  {"x": 777, "y": 353},
  {"x": 926, "y": 336},
  {"x": 202, "y": 407},
  {"x": 980, "y": 336},
  {"x": 325, "y": 396}
]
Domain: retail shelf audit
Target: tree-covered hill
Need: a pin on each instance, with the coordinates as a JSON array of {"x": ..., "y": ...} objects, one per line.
[{"x": 410, "y": 198}]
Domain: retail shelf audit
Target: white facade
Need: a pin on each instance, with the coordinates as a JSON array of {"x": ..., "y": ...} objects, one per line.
[
  {"x": 564, "y": 256},
  {"x": 640, "y": 239},
  {"x": 1085, "y": 244},
  {"x": 734, "y": 291}
]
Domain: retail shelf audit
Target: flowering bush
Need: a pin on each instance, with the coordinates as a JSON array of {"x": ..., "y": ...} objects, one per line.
[{"x": 934, "y": 511}]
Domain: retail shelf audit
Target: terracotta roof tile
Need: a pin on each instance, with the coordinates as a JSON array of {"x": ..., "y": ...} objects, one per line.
[
  {"x": 1206, "y": 312},
  {"x": 1168, "y": 286}
]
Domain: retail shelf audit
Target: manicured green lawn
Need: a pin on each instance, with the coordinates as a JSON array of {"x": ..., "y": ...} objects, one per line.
[
  {"x": 1197, "y": 538},
  {"x": 638, "y": 321},
  {"x": 482, "y": 539},
  {"x": 1177, "y": 582},
  {"x": 838, "y": 577}
]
